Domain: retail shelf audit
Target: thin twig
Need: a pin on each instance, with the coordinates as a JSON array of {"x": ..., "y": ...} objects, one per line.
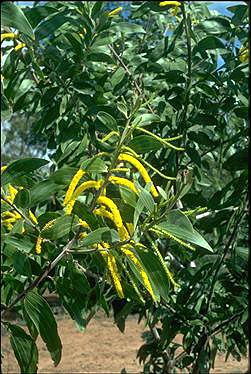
[
  {"x": 131, "y": 76},
  {"x": 44, "y": 275}
]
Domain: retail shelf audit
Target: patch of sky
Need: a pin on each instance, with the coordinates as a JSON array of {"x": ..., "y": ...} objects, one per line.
[{"x": 221, "y": 7}]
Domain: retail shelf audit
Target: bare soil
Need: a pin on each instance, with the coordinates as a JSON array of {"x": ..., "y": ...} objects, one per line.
[{"x": 100, "y": 349}]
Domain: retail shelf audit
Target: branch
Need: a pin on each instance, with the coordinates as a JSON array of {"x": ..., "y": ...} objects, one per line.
[
  {"x": 231, "y": 238},
  {"x": 131, "y": 76},
  {"x": 43, "y": 275}
]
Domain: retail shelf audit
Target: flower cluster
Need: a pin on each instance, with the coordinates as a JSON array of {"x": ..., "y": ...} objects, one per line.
[
  {"x": 244, "y": 54},
  {"x": 143, "y": 172},
  {"x": 40, "y": 239}
]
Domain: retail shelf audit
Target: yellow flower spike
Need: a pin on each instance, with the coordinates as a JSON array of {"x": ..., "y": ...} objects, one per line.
[
  {"x": 48, "y": 224},
  {"x": 161, "y": 140},
  {"x": 40, "y": 239},
  {"x": 9, "y": 220},
  {"x": 76, "y": 178},
  {"x": 174, "y": 11},
  {"x": 108, "y": 136},
  {"x": 114, "y": 274},
  {"x": 19, "y": 46},
  {"x": 103, "y": 213},
  {"x": 142, "y": 272},
  {"x": 244, "y": 54},
  {"x": 17, "y": 215},
  {"x": 120, "y": 170},
  {"x": 123, "y": 233},
  {"x": 130, "y": 227},
  {"x": 83, "y": 235},
  {"x": 133, "y": 153},
  {"x": 10, "y": 214},
  {"x": 3, "y": 168},
  {"x": 33, "y": 217},
  {"x": 141, "y": 169},
  {"x": 171, "y": 3},
  {"x": 167, "y": 234},
  {"x": 115, "y": 11},
  {"x": 9, "y": 226},
  {"x": 123, "y": 182},
  {"x": 84, "y": 186},
  {"x": 164, "y": 266},
  {"x": 38, "y": 247},
  {"x": 12, "y": 191},
  {"x": 83, "y": 223},
  {"x": 8, "y": 35},
  {"x": 103, "y": 200}
]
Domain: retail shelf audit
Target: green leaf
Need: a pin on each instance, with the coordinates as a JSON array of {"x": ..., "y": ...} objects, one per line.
[
  {"x": 238, "y": 161},
  {"x": 49, "y": 26},
  {"x": 21, "y": 167},
  {"x": 102, "y": 234},
  {"x": 107, "y": 120},
  {"x": 22, "y": 198},
  {"x": 118, "y": 76},
  {"x": 41, "y": 315},
  {"x": 215, "y": 25},
  {"x": 13, "y": 16},
  {"x": 61, "y": 227},
  {"x": 145, "y": 201},
  {"x": 38, "y": 13},
  {"x": 63, "y": 176},
  {"x": 21, "y": 264},
  {"x": 209, "y": 42},
  {"x": 240, "y": 11},
  {"x": 179, "y": 225},
  {"x": 73, "y": 290},
  {"x": 100, "y": 57},
  {"x": 94, "y": 165},
  {"x": 147, "y": 119},
  {"x": 144, "y": 144},
  {"x": 19, "y": 241},
  {"x": 43, "y": 191},
  {"x": 6, "y": 109},
  {"x": 24, "y": 348},
  {"x": 127, "y": 28}
]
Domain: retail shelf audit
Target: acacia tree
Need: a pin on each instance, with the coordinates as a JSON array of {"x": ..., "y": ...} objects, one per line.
[{"x": 143, "y": 202}]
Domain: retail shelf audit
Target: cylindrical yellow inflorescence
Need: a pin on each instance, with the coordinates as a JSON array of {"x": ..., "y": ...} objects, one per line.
[
  {"x": 12, "y": 193},
  {"x": 123, "y": 233},
  {"x": 8, "y": 35},
  {"x": 114, "y": 274},
  {"x": 115, "y": 11},
  {"x": 38, "y": 247},
  {"x": 171, "y": 3},
  {"x": 133, "y": 161},
  {"x": 40, "y": 239},
  {"x": 123, "y": 182},
  {"x": 33, "y": 217},
  {"x": 142, "y": 272},
  {"x": 84, "y": 186},
  {"x": 19, "y": 46},
  {"x": 103, "y": 200},
  {"x": 76, "y": 178}
]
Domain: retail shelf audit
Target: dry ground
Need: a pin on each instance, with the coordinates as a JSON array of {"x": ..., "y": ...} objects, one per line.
[{"x": 102, "y": 348}]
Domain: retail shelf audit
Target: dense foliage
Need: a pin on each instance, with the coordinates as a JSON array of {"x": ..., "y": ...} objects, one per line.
[{"x": 142, "y": 205}]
